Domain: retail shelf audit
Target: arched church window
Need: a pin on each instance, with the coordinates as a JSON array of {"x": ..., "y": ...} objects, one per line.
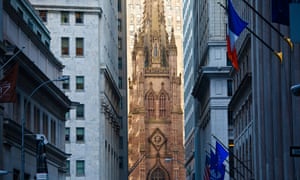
[
  {"x": 162, "y": 105},
  {"x": 157, "y": 174},
  {"x": 150, "y": 105}
]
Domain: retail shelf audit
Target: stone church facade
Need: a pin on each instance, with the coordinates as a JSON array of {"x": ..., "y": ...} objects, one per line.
[{"x": 155, "y": 120}]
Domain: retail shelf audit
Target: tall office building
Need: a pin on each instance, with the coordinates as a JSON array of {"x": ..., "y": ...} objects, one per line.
[
  {"x": 85, "y": 38},
  {"x": 190, "y": 72},
  {"x": 263, "y": 111},
  {"x": 263, "y": 116},
  {"x": 155, "y": 112},
  {"x": 211, "y": 87}
]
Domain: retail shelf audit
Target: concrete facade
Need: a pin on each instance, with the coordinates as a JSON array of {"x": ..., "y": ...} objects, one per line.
[
  {"x": 99, "y": 151},
  {"x": 211, "y": 85}
]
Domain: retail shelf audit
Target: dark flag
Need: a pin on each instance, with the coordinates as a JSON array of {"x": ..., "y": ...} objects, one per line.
[
  {"x": 280, "y": 11},
  {"x": 8, "y": 85}
]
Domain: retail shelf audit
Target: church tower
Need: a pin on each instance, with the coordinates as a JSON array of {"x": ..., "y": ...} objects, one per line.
[{"x": 155, "y": 114}]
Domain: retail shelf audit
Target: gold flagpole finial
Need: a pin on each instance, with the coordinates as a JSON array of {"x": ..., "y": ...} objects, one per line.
[
  {"x": 289, "y": 41},
  {"x": 278, "y": 55}
]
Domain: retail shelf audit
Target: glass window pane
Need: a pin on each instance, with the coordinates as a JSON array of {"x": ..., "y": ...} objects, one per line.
[
  {"x": 80, "y": 111},
  {"x": 79, "y": 82},
  {"x": 65, "y": 46},
  {"x": 79, "y": 46},
  {"x": 78, "y": 17},
  {"x": 64, "y": 17}
]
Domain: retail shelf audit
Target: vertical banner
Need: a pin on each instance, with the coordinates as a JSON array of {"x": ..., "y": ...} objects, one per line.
[{"x": 294, "y": 22}]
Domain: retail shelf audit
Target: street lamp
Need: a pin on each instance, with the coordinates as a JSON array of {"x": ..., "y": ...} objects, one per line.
[{"x": 62, "y": 78}]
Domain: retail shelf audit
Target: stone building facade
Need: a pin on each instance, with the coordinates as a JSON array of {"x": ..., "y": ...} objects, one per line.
[{"x": 155, "y": 114}]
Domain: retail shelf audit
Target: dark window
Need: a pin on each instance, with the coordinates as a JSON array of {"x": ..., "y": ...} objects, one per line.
[
  {"x": 150, "y": 105},
  {"x": 80, "y": 111},
  {"x": 79, "y": 82},
  {"x": 120, "y": 63},
  {"x": 119, "y": 5},
  {"x": 229, "y": 87},
  {"x": 79, "y": 46},
  {"x": 79, "y": 167},
  {"x": 67, "y": 134},
  {"x": 119, "y": 43},
  {"x": 119, "y": 24},
  {"x": 43, "y": 15},
  {"x": 68, "y": 167},
  {"x": 66, "y": 84},
  {"x": 78, "y": 17},
  {"x": 120, "y": 82},
  {"x": 162, "y": 105},
  {"x": 64, "y": 17},
  {"x": 64, "y": 46},
  {"x": 79, "y": 134}
]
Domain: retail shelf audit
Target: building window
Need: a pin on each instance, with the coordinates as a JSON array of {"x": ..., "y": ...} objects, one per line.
[
  {"x": 120, "y": 63},
  {"x": 68, "y": 167},
  {"x": 120, "y": 82},
  {"x": 79, "y": 167},
  {"x": 79, "y": 46},
  {"x": 150, "y": 105},
  {"x": 80, "y": 111},
  {"x": 64, "y": 19},
  {"x": 229, "y": 87},
  {"x": 162, "y": 105},
  {"x": 65, "y": 46},
  {"x": 45, "y": 124},
  {"x": 119, "y": 24},
  {"x": 67, "y": 134},
  {"x": 43, "y": 15},
  {"x": 158, "y": 173},
  {"x": 66, "y": 83},
  {"x": 80, "y": 134},
  {"x": 119, "y": 43},
  {"x": 36, "y": 120},
  {"x": 78, "y": 17},
  {"x": 119, "y": 5},
  {"x": 79, "y": 82},
  {"x": 53, "y": 132}
]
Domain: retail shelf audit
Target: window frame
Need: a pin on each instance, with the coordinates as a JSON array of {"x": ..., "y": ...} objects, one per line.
[
  {"x": 80, "y": 137},
  {"x": 79, "y": 18},
  {"x": 82, "y": 168},
  {"x": 65, "y": 46},
  {"x": 43, "y": 15},
  {"x": 80, "y": 115},
  {"x": 79, "y": 50},
  {"x": 64, "y": 17}
]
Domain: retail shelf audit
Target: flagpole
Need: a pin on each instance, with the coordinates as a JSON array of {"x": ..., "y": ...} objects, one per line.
[
  {"x": 287, "y": 39},
  {"x": 231, "y": 153},
  {"x": 277, "y": 54}
]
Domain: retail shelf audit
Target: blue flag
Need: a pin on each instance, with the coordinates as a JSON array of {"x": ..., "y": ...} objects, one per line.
[
  {"x": 221, "y": 153},
  {"x": 217, "y": 169}
]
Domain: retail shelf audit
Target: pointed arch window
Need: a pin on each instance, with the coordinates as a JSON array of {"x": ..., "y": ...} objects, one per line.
[
  {"x": 162, "y": 105},
  {"x": 150, "y": 105},
  {"x": 157, "y": 174}
]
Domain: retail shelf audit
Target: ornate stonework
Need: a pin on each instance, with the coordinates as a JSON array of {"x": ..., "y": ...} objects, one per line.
[{"x": 155, "y": 112}]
